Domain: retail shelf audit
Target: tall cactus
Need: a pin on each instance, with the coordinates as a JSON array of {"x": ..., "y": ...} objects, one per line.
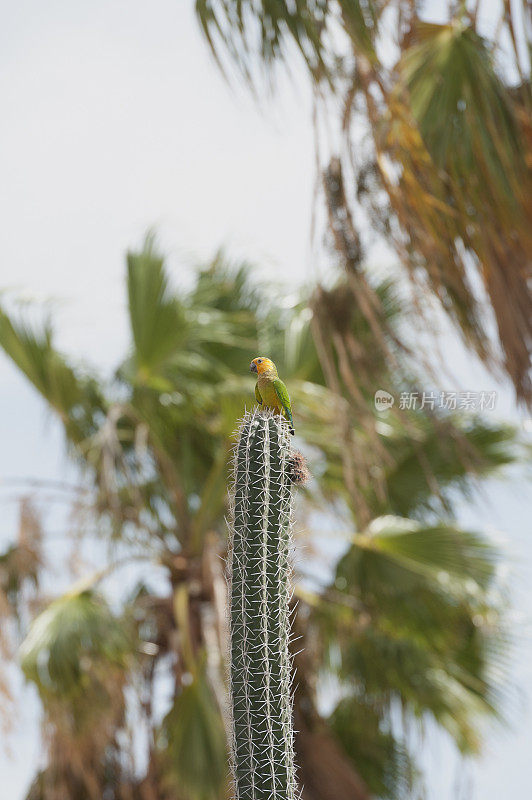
[{"x": 260, "y": 578}]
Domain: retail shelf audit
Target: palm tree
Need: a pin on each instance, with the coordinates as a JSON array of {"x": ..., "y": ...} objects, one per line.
[
  {"x": 408, "y": 617},
  {"x": 439, "y": 161}
]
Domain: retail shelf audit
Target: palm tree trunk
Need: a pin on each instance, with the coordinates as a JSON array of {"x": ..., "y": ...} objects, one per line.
[{"x": 325, "y": 772}]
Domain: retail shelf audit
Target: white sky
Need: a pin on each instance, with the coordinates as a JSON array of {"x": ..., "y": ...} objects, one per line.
[{"x": 113, "y": 119}]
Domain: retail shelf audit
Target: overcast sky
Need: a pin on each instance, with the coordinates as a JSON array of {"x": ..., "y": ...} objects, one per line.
[{"x": 114, "y": 120}]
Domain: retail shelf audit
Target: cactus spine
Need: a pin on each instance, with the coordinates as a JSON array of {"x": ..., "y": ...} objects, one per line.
[{"x": 260, "y": 589}]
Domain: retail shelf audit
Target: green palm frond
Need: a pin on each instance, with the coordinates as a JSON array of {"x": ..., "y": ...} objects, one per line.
[
  {"x": 158, "y": 323},
  {"x": 392, "y": 666},
  {"x": 193, "y": 737},
  {"x": 382, "y": 759},
  {"x": 264, "y": 32},
  {"x": 447, "y": 453},
  {"x": 464, "y": 112},
  {"x": 412, "y": 617},
  {"x": 72, "y": 645},
  {"x": 73, "y": 395},
  {"x": 421, "y": 463},
  {"x": 395, "y": 554},
  {"x": 189, "y": 339},
  {"x": 227, "y": 285}
]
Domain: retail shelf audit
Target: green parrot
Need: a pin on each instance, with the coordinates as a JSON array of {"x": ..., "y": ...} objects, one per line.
[{"x": 270, "y": 391}]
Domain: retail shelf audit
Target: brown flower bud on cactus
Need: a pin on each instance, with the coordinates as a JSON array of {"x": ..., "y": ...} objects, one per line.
[{"x": 297, "y": 468}]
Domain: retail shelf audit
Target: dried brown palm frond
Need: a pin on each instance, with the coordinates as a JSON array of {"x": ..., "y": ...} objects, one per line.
[
  {"x": 21, "y": 563},
  {"x": 475, "y": 164},
  {"x": 20, "y": 566},
  {"x": 359, "y": 347},
  {"x": 451, "y": 138},
  {"x": 360, "y": 350},
  {"x": 452, "y": 152}
]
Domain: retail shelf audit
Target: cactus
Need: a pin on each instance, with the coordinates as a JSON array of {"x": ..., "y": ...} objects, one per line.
[{"x": 260, "y": 590}]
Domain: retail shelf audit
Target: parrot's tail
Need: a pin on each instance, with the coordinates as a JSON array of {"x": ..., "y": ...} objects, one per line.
[
  {"x": 287, "y": 414},
  {"x": 288, "y": 417}
]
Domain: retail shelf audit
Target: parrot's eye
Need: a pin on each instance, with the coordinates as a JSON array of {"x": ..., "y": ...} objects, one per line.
[{"x": 259, "y": 361}]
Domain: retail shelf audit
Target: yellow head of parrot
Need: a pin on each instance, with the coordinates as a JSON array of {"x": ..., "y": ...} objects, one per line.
[{"x": 261, "y": 364}]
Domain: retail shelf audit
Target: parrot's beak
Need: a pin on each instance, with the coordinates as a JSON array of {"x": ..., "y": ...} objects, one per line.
[{"x": 252, "y": 367}]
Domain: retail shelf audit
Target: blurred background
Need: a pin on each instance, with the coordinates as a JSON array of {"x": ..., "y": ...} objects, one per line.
[{"x": 343, "y": 187}]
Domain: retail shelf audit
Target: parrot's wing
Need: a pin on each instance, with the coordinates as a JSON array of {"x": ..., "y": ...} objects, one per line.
[
  {"x": 258, "y": 395},
  {"x": 282, "y": 393}
]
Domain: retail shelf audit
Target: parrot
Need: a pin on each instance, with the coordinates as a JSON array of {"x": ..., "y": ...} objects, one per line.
[{"x": 270, "y": 391}]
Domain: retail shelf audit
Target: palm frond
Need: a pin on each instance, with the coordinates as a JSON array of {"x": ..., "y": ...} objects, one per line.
[
  {"x": 457, "y": 137},
  {"x": 73, "y": 395},
  {"x": 411, "y": 616},
  {"x": 434, "y": 459},
  {"x": 21, "y": 563},
  {"x": 396, "y": 554},
  {"x": 72, "y": 645},
  {"x": 250, "y": 33},
  {"x": 157, "y": 319},
  {"x": 381, "y": 758},
  {"x": 464, "y": 112},
  {"x": 193, "y": 737}
]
